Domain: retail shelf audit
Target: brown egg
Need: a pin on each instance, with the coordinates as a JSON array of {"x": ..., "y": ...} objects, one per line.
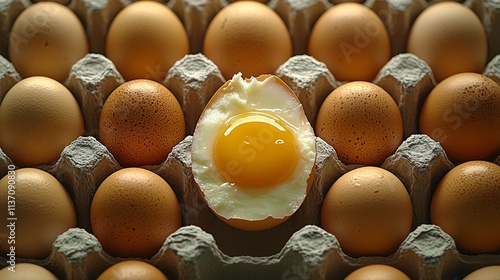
[
  {"x": 46, "y": 40},
  {"x": 132, "y": 270},
  {"x": 352, "y": 41},
  {"x": 369, "y": 210},
  {"x": 462, "y": 113},
  {"x": 145, "y": 39},
  {"x": 132, "y": 213},
  {"x": 38, "y": 118},
  {"x": 377, "y": 272},
  {"x": 466, "y": 206},
  {"x": 42, "y": 209},
  {"x": 26, "y": 271},
  {"x": 362, "y": 122},
  {"x": 247, "y": 37},
  {"x": 450, "y": 38},
  {"x": 485, "y": 273},
  {"x": 140, "y": 123}
]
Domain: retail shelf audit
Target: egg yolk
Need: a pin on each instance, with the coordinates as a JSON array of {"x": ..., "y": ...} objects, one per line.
[{"x": 255, "y": 150}]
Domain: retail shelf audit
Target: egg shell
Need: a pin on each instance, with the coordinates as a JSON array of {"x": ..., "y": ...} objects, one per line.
[
  {"x": 132, "y": 269},
  {"x": 450, "y": 38},
  {"x": 39, "y": 117},
  {"x": 369, "y": 211},
  {"x": 42, "y": 210},
  {"x": 461, "y": 111},
  {"x": 132, "y": 213},
  {"x": 310, "y": 253},
  {"x": 247, "y": 37},
  {"x": 27, "y": 271},
  {"x": 466, "y": 203},
  {"x": 145, "y": 39},
  {"x": 377, "y": 272},
  {"x": 140, "y": 122},
  {"x": 485, "y": 273},
  {"x": 352, "y": 40},
  {"x": 46, "y": 39},
  {"x": 362, "y": 122}
]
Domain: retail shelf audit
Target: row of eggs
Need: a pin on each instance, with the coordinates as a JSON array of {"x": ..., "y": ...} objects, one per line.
[
  {"x": 241, "y": 134},
  {"x": 371, "y": 210},
  {"x": 359, "y": 119},
  {"x": 368, "y": 210},
  {"x": 146, "y": 38},
  {"x": 137, "y": 269},
  {"x": 141, "y": 121}
]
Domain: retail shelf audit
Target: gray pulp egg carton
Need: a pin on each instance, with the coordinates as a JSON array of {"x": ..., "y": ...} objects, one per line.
[{"x": 206, "y": 248}]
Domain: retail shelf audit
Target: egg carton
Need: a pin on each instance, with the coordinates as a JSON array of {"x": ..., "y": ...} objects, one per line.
[{"x": 205, "y": 247}]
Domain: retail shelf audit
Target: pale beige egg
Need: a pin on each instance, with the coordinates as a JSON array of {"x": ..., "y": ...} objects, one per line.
[
  {"x": 450, "y": 38},
  {"x": 42, "y": 210},
  {"x": 46, "y": 40},
  {"x": 38, "y": 118},
  {"x": 26, "y": 271}
]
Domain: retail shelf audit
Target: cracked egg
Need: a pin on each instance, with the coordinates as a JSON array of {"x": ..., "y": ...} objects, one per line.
[{"x": 253, "y": 153}]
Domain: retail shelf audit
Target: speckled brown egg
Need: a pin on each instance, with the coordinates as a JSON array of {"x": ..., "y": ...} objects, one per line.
[
  {"x": 466, "y": 205},
  {"x": 42, "y": 210},
  {"x": 132, "y": 213},
  {"x": 362, "y": 122},
  {"x": 462, "y": 113},
  {"x": 369, "y": 210},
  {"x": 140, "y": 123},
  {"x": 247, "y": 37}
]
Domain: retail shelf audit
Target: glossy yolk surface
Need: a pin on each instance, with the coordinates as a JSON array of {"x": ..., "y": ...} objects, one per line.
[{"x": 255, "y": 150}]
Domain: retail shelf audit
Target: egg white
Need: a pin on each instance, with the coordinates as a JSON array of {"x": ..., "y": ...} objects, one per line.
[{"x": 228, "y": 199}]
